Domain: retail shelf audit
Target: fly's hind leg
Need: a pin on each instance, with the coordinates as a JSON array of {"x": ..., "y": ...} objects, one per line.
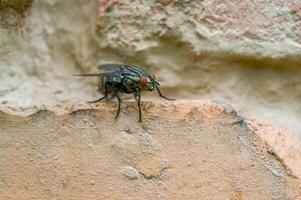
[
  {"x": 119, "y": 102},
  {"x": 97, "y": 100},
  {"x": 102, "y": 98}
]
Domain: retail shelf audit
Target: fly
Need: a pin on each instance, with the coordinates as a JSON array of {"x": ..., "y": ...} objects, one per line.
[{"x": 119, "y": 78}]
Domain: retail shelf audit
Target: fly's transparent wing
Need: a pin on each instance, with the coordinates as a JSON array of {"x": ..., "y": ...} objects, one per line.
[{"x": 111, "y": 70}]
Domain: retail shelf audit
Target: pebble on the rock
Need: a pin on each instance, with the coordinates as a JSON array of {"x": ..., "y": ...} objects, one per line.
[{"x": 131, "y": 172}]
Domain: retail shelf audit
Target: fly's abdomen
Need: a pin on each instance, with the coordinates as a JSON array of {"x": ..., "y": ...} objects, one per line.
[
  {"x": 107, "y": 83},
  {"x": 101, "y": 84}
]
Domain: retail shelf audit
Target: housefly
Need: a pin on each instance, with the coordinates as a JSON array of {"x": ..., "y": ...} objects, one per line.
[{"x": 119, "y": 78}]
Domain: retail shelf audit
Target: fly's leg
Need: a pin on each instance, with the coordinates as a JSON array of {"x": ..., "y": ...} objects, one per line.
[
  {"x": 119, "y": 102},
  {"x": 106, "y": 95},
  {"x": 161, "y": 95},
  {"x": 97, "y": 100},
  {"x": 138, "y": 97}
]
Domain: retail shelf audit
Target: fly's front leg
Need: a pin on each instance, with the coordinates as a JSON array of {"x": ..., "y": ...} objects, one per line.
[
  {"x": 161, "y": 95},
  {"x": 138, "y": 97}
]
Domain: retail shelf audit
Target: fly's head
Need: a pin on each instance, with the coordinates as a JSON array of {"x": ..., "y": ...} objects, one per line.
[{"x": 148, "y": 82}]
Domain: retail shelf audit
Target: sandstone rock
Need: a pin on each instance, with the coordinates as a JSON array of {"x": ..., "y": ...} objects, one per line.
[
  {"x": 257, "y": 28},
  {"x": 212, "y": 155}
]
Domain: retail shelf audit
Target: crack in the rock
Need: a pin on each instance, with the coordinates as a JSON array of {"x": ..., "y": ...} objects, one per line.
[
  {"x": 157, "y": 176},
  {"x": 287, "y": 170}
]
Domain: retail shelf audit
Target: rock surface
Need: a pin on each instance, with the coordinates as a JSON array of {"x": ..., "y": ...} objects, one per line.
[
  {"x": 182, "y": 150},
  {"x": 248, "y": 28}
]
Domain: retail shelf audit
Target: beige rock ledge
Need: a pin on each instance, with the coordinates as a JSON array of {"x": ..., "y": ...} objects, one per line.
[{"x": 182, "y": 150}]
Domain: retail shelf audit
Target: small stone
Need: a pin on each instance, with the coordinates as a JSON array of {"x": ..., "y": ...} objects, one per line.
[
  {"x": 128, "y": 130},
  {"x": 131, "y": 172}
]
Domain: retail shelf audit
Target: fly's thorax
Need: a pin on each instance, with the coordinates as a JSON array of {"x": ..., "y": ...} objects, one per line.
[
  {"x": 142, "y": 82},
  {"x": 137, "y": 78},
  {"x": 130, "y": 83}
]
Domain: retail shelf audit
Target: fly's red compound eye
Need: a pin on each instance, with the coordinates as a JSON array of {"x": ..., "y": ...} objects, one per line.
[{"x": 143, "y": 81}]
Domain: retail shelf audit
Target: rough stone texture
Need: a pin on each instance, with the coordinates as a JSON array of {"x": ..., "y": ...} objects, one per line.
[
  {"x": 13, "y": 11},
  {"x": 37, "y": 59},
  {"x": 256, "y": 28},
  {"x": 285, "y": 145},
  {"x": 180, "y": 151}
]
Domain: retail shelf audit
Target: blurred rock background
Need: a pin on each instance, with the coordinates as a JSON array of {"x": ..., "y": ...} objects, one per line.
[
  {"x": 243, "y": 53},
  {"x": 246, "y": 54}
]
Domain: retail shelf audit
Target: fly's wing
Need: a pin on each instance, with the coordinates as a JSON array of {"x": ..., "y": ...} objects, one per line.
[{"x": 111, "y": 70}]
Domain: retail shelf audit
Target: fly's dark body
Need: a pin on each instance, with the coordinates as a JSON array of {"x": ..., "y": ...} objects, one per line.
[{"x": 116, "y": 78}]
